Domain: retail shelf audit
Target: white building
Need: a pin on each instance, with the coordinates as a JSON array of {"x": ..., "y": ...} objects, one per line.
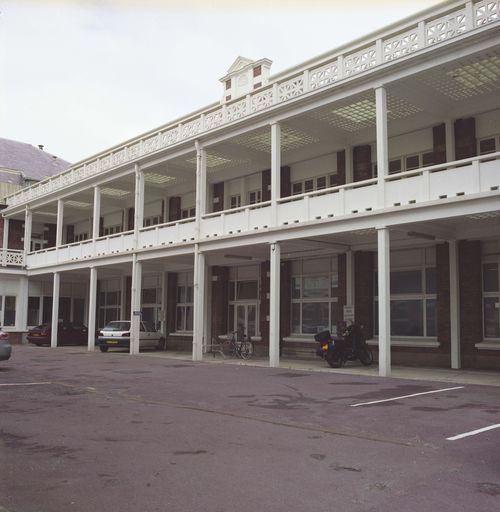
[{"x": 368, "y": 176}]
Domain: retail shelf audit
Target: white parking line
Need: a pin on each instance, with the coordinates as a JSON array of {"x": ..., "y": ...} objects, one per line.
[
  {"x": 25, "y": 383},
  {"x": 406, "y": 396},
  {"x": 473, "y": 432}
]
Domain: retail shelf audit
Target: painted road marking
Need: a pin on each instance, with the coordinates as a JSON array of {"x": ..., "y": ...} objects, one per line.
[
  {"x": 473, "y": 432},
  {"x": 26, "y": 384},
  {"x": 407, "y": 396}
]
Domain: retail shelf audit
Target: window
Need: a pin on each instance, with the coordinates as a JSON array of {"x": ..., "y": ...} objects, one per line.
[
  {"x": 314, "y": 296},
  {"x": 312, "y": 184},
  {"x": 243, "y": 306},
  {"x": 188, "y": 213},
  {"x": 228, "y": 84},
  {"x": 80, "y": 237},
  {"x": 491, "y": 299},
  {"x": 254, "y": 197},
  {"x": 112, "y": 230},
  {"x": 297, "y": 188},
  {"x": 33, "y": 311},
  {"x": 8, "y": 315},
  {"x": 151, "y": 301},
  {"x": 408, "y": 162},
  {"x": 152, "y": 221},
  {"x": 413, "y": 298},
  {"x": 412, "y": 162},
  {"x": 109, "y": 302},
  {"x": 235, "y": 201},
  {"x": 184, "y": 313},
  {"x": 257, "y": 71},
  {"x": 487, "y": 145}
]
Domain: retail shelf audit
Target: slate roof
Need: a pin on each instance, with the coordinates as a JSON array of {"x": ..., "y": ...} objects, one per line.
[{"x": 34, "y": 163}]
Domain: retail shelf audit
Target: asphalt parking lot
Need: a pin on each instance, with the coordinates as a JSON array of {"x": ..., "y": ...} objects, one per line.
[{"x": 110, "y": 432}]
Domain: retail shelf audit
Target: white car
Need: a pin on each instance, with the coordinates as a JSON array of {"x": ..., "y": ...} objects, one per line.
[{"x": 117, "y": 334}]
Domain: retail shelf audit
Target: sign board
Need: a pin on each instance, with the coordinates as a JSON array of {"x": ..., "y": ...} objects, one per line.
[{"x": 349, "y": 313}]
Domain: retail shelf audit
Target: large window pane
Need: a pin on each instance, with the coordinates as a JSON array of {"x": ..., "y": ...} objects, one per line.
[
  {"x": 295, "y": 287},
  {"x": 247, "y": 290},
  {"x": 431, "y": 317},
  {"x": 314, "y": 317},
  {"x": 430, "y": 280},
  {"x": 78, "y": 311},
  {"x": 334, "y": 283},
  {"x": 179, "y": 325},
  {"x": 252, "y": 320},
  {"x": 181, "y": 294},
  {"x": 9, "y": 318},
  {"x": 491, "y": 318},
  {"x": 240, "y": 318},
  {"x": 407, "y": 318},
  {"x": 333, "y": 318},
  {"x": 112, "y": 298},
  {"x": 490, "y": 277},
  {"x": 149, "y": 296},
  {"x": 316, "y": 287},
  {"x": 406, "y": 281},
  {"x": 189, "y": 318},
  {"x": 33, "y": 310}
]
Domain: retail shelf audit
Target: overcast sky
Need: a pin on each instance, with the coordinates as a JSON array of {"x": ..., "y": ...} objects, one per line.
[{"x": 80, "y": 76}]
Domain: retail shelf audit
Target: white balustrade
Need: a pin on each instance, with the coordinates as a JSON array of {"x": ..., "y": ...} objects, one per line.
[{"x": 11, "y": 258}]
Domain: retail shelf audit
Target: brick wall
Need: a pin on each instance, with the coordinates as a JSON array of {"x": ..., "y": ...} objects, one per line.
[
  {"x": 363, "y": 290},
  {"x": 220, "y": 300},
  {"x": 439, "y": 143},
  {"x": 465, "y": 138},
  {"x": 362, "y": 163}
]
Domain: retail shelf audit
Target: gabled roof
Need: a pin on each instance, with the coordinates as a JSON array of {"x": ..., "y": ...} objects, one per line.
[
  {"x": 239, "y": 63},
  {"x": 32, "y": 162}
]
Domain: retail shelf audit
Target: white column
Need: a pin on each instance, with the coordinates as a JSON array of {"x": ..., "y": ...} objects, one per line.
[
  {"x": 201, "y": 185},
  {"x": 92, "y": 324},
  {"x": 382, "y": 142},
  {"x": 349, "y": 268},
  {"x": 59, "y": 222},
  {"x": 139, "y": 203},
  {"x": 97, "y": 212},
  {"x": 384, "y": 303},
  {"x": 454, "y": 305},
  {"x": 28, "y": 222},
  {"x": 274, "y": 306},
  {"x": 450, "y": 140},
  {"x": 199, "y": 303},
  {"x": 349, "y": 172},
  {"x": 135, "y": 313},
  {"x": 275, "y": 170},
  {"x": 5, "y": 241},
  {"x": 55, "y": 309}
]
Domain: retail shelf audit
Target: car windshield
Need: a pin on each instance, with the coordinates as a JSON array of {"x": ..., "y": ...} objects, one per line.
[{"x": 117, "y": 326}]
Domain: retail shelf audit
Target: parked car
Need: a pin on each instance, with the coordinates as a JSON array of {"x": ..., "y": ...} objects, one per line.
[
  {"x": 67, "y": 334},
  {"x": 5, "y": 346},
  {"x": 116, "y": 334}
]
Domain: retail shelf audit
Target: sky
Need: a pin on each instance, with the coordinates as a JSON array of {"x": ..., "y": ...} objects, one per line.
[{"x": 80, "y": 76}]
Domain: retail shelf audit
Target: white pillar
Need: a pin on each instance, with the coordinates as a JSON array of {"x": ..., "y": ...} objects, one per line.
[
  {"x": 22, "y": 309},
  {"x": 349, "y": 268},
  {"x": 450, "y": 140},
  {"x": 454, "y": 305},
  {"x": 384, "y": 303},
  {"x": 139, "y": 203},
  {"x": 28, "y": 222},
  {"x": 5, "y": 241},
  {"x": 201, "y": 185},
  {"x": 349, "y": 172},
  {"x": 199, "y": 303},
  {"x": 275, "y": 170},
  {"x": 97, "y": 212},
  {"x": 274, "y": 306},
  {"x": 59, "y": 222},
  {"x": 92, "y": 324},
  {"x": 382, "y": 142},
  {"x": 135, "y": 313},
  {"x": 55, "y": 309}
]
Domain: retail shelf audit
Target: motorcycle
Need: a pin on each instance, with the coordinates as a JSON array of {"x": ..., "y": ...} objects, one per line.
[{"x": 350, "y": 346}]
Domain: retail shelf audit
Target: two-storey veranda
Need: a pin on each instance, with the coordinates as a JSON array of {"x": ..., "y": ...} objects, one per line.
[{"x": 367, "y": 177}]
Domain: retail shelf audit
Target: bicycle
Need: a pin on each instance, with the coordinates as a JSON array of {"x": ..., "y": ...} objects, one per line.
[{"x": 239, "y": 345}]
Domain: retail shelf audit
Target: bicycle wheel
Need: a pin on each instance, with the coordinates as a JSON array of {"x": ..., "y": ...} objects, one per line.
[{"x": 246, "y": 350}]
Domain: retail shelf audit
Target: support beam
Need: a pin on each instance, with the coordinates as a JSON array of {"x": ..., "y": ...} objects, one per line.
[
  {"x": 275, "y": 170},
  {"x": 274, "y": 306},
  {"x": 97, "y": 212},
  {"x": 59, "y": 222},
  {"x": 135, "y": 302},
  {"x": 454, "y": 305},
  {"x": 199, "y": 303},
  {"x": 28, "y": 223},
  {"x": 55, "y": 309},
  {"x": 384, "y": 303},
  {"x": 201, "y": 185},
  {"x": 22, "y": 312},
  {"x": 92, "y": 324},
  {"x": 139, "y": 203},
  {"x": 382, "y": 142}
]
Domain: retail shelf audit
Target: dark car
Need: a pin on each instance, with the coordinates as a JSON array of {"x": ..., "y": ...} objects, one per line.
[
  {"x": 67, "y": 334},
  {"x": 5, "y": 347}
]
